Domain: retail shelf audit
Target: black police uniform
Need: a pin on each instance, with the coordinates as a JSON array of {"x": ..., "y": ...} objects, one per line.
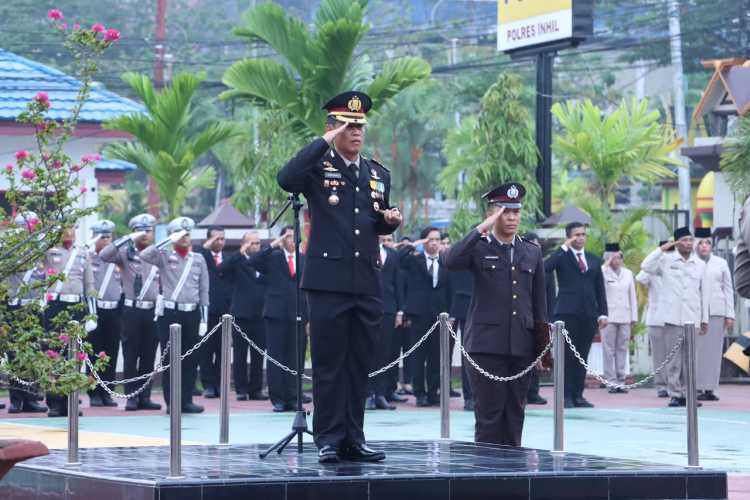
[
  {"x": 343, "y": 282},
  {"x": 507, "y": 305}
]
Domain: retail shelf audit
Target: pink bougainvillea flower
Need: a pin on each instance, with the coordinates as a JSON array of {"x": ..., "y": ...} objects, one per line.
[
  {"x": 9, "y": 168},
  {"x": 57, "y": 164},
  {"x": 64, "y": 26},
  {"x": 55, "y": 15},
  {"x": 84, "y": 189},
  {"x": 50, "y": 297},
  {"x": 75, "y": 168},
  {"x": 112, "y": 35},
  {"x": 91, "y": 158},
  {"x": 98, "y": 28},
  {"x": 28, "y": 175},
  {"x": 81, "y": 356},
  {"x": 76, "y": 26},
  {"x": 22, "y": 155},
  {"x": 51, "y": 271},
  {"x": 53, "y": 354},
  {"x": 63, "y": 338},
  {"x": 42, "y": 98},
  {"x": 102, "y": 355}
]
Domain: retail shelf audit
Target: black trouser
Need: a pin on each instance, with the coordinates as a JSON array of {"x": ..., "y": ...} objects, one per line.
[
  {"x": 280, "y": 337},
  {"x": 499, "y": 407},
  {"x": 581, "y": 330},
  {"x": 190, "y": 322},
  {"x": 210, "y": 354},
  {"x": 401, "y": 342},
  {"x": 381, "y": 356},
  {"x": 426, "y": 364},
  {"x": 139, "y": 340},
  {"x": 106, "y": 338},
  {"x": 58, "y": 401},
  {"x": 343, "y": 329},
  {"x": 533, "y": 384},
  {"x": 254, "y": 328},
  {"x": 465, "y": 379}
]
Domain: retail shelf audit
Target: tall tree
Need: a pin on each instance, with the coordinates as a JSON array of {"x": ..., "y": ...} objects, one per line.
[
  {"x": 164, "y": 147},
  {"x": 315, "y": 64},
  {"x": 735, "y": 159}
]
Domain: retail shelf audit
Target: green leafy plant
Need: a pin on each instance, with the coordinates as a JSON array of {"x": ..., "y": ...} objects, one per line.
[{"x": 735, "y": 159}]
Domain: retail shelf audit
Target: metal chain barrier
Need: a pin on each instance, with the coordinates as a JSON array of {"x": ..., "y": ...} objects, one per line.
[
  {"x": 494, "y": 377},
  {"x": 263, "y": 353},
  {"x": 146, "y": 376},
  {"x": 405, "y": 355},
  {"x": 671, "y": 354}
]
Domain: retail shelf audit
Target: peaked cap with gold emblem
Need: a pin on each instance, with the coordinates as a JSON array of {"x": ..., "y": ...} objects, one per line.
[
  {"x": 508, "y": 195},
  {"x": 349, "y": 107}
]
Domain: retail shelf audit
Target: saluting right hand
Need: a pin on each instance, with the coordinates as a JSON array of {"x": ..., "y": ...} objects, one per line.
[
  {"x": 331, "y": 134},
  {"x": 277, "y": 242},
  {"x": 569, "y": 242},
  {"x": 177, "y": 236},
  {"x": 486, "y": 225},
  {"x": 134, "y": 236},
  {"x": 668, "y": 246}
]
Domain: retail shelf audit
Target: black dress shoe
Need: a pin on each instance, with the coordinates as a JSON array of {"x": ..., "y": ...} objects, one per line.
[
  {"x": 197, "y": 392},
  {"x": 131, "y": 405},
  {"x": 433, "y": 400},
  {"x": 674, "y": 402},
  {"x": 31, "y": 406},
  {"x": 260, "y": 396},
  {"x": 2, "y": 406},
  {"x": 707, "y": 396},
  {"x": 582, "y": 403},
  {"x": 536, "y": 399},
  {"x": 107, "y": 401},
  {"x": 279, "y": 407},
  {"x": 328, "y": 455},
  {"x": 95, "y": 400},
  {"x": 370, "y": 404},
  {"x": 147, "y": 404},
  {"x": 455, "y": 394},
  {"x": 210, "y": 392},
  {"x": 13, "y": 408},
  {"x": 192, "y": 408},
  {"x": 361, "y": 453},
  {"x": 241, "y": 397},
  {"x": 662, "y": 394},
  {"x": 395, "y": 398},
  {"x": 569, "y": 403},
  {"x": 469, "y": 405},
  {"x": 422, "y": 401},
  {"x": 382, "y": 404}
]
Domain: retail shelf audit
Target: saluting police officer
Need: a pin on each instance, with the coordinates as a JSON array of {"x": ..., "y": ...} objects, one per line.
[
  {"x": 184, "y": 286},
  {"x": 140, "y": 284},
  {"x": 21, "y": 293},
  {"x": 348, "y": 198},
  {"x": 507, "y": 325},
  {"x": 108, "y": 290},
  {"x": 77, "y": 287}
]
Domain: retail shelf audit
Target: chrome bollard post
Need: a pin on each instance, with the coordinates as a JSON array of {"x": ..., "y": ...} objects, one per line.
[
  {"x": 175, "y": 401},
  {"x": 445, "y": 377},
  {"x": 226, "y": 375},
  {"x": 692, "y": 407},
  {"x": 559, "y": 390},
  {"x": 73, "y": 410}
]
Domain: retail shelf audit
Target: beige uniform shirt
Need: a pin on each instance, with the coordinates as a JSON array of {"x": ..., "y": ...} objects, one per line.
[
  {"x": 720, "y": 290},
  {"x": 622, "y": 303},
  {"x": 131, "y": 268},
  {"x": 101, "y": 268},
  {"x": 653, "y": 283},
  {"x": 171, "y": 265},
  {"x": 79, "y": 280}
]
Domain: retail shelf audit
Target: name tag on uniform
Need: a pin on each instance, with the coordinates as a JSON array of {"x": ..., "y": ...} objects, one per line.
[{"x": 492, "y": 257}]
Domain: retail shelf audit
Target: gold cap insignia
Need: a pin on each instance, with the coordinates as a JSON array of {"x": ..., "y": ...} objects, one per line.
[{"x": 354, "y": 104}]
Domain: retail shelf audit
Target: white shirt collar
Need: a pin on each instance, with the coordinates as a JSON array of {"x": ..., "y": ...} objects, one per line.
[{"x": 349, "y": 162}]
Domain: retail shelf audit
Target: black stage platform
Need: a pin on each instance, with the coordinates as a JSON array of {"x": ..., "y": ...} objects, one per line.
[{"x": 414, "y": 470}]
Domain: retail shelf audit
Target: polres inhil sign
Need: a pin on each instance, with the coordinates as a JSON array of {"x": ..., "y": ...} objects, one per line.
[{"x": 527, "y": 24}]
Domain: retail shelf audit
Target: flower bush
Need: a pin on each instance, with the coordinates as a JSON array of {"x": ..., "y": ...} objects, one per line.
[{"x": 46, "y": 181}]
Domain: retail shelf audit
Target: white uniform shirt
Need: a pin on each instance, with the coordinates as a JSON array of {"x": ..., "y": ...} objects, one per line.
[
  {"x": 622, "y": 303},
  {"x": 653, "y": 283},
  {"x": 720, "y": 289},
  {"x": 682, "y": 297}
]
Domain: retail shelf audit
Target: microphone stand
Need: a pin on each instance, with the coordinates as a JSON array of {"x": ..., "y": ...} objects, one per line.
[{"x": 299, "y": 426}]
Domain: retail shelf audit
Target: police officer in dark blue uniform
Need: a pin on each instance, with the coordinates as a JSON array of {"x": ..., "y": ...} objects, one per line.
[
  {"x": 507, "y": 324},
  {"x": 348, "y": 199}
]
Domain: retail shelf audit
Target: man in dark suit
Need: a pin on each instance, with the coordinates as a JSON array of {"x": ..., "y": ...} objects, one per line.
[
  {"x": 533, "y": 397},
  {"x": 248, "y": 292},
  {"x": 380, "y": 387},
  {"x": 581, "y": 304},
  {"x": 349, "y": 202},
  {"x": 507, "y": 321},
  {"x": 277, "y": 264},
  {"x": 462, "y": 283},
  {"x": 220, "y": 300},
  {"x": 426, "y": 295}
]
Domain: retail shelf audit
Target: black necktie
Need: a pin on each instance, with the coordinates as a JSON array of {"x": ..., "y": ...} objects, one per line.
[
  {"x": 431, "y": 270},
  {"x": 137, "y": 284},
  {"x": 355, "y": 170}
]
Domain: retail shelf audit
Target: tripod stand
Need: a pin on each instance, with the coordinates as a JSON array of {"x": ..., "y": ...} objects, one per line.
[{"x": 299, "y": 426}]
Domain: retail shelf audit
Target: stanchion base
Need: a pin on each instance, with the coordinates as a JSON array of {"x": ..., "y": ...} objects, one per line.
[
  {"x": 71, "y": 465},
  {"x": 412, "y": 469}
]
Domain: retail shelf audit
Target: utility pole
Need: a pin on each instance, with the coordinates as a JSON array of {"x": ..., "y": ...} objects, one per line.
[
  {"x": 544, "y": 75},
  {"x": 678, "y": 91},
  {"x": 160, "y": 35}
]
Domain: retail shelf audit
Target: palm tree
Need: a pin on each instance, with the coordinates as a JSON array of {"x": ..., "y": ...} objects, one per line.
[
  {"x": 164, "y": 146},
  {"x": 315, "y": 64},
  {"x": 735, "y": 159},
  {"x": 628, "y": 143}
]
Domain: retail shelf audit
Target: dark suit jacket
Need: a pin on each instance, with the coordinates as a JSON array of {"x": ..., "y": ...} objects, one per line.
[
  {"x": 462, "y": 284},
  {"x": 392, "y": 286},
  {"x": 219, "y": 285},
  {"x": 577, "y": 292},
  {"x": 420, "y": 299},
  {"x": 281, "y": 286},
  {"x": 248, "y": 286},
  {"x": 509, "y": 298},
  {"x": 343, "y": 250}
]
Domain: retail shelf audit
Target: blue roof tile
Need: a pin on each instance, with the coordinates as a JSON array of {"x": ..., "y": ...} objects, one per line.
[
  {"x": 21, "y": 79},
  {"x": 105, "y": 164}
]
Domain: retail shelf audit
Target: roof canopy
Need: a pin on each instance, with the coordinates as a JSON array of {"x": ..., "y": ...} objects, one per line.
[
  {"x": 567, "y": 215},
  {"x": 728, "y": 91},
  {"x": 21, "y": 79},
  {"x": 227, "y": 216}
]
